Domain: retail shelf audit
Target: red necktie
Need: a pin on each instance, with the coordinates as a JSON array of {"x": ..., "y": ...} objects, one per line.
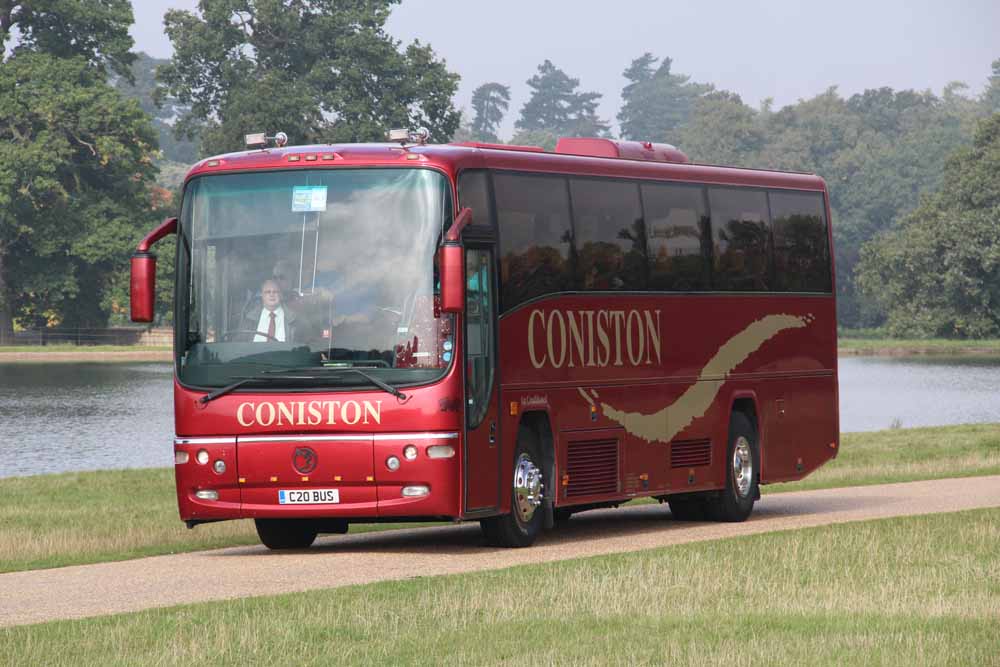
[{"x": 271, "y": 327}]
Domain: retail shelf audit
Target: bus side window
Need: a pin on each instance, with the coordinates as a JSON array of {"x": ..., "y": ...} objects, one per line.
[
  {"x": 474, "y": 193},
  {"x": 679, "y": 237},
  {"x": 610, "y": 235},
  {"x": 741, "y": 236},
  {"x": 535, "y": 236},
  {"x": 801, "y": 247}
]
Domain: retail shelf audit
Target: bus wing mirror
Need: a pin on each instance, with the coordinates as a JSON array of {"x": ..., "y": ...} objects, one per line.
[
  {"x": 451, "y": 259},
  {"x": 451, "y": 262},
  {"x": 462, "y": 220},
  {"x": 142, "y": 285}
]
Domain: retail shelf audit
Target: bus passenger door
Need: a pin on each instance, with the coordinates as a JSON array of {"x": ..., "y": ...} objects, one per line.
[{"x": 482, "y": 437}]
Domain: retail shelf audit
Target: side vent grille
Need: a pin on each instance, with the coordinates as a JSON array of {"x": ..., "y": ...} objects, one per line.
[
  {"x": 690, "y": 453},
  {"x": 592, "y": 466}
]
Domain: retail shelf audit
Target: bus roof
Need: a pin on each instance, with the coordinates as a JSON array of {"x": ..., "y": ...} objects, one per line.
[{"x": 452, "y": 158}]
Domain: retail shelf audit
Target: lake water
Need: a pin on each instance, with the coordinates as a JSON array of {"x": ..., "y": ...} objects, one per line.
[{"x": 60, "y": 417}]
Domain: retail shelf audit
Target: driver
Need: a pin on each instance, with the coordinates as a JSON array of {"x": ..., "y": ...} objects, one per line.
[{"x": 272, "y": 321}]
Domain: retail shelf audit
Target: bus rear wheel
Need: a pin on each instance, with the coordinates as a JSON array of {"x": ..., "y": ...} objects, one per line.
[
  {"x": 735, "y": 502},
  {"x": 522, "y": 526},
  {"x": 286, "y": 533}
]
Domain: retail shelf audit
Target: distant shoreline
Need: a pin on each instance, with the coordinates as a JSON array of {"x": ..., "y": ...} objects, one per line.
[
  {"x": 85, "y": 355},
  {"x": 847, "y": 347}
]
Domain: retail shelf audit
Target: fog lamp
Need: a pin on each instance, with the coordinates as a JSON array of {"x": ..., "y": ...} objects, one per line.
[
  {"x": 219, "y": 466},
  {"x": 410, "y": 452},
  {"x": 392, "y": 463},
  {"x": 440, "y": 452},
  {"x": 202, "y": 456},
  {"x": 207, "y": 494},
  {"x": 415, "y": 491}
]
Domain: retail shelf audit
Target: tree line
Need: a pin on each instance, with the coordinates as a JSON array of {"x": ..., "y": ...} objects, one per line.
[
  {"x": 87, "y": 127},
  {"x": 890, "y": 158}
]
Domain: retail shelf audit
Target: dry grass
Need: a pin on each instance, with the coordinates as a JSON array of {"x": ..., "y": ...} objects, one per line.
[
  {"x": 905, "y": 455},
  {"x": 90, "y": 517},
  {"x": 919, "y": 590}
]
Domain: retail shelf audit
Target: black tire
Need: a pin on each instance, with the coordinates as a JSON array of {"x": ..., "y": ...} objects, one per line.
[
  {"x": 286, "y": 533},
  {"x": 735, "y": 502},
  {"x": 688, "y": 508},
  {"x": 513, "y": 530}
]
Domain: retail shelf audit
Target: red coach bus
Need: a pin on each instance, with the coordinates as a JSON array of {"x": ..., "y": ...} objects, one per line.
[{"x": 400, "y": 331}]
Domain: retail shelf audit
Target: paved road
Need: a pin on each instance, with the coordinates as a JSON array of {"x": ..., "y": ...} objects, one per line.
[{"x": 105, "y": 588}]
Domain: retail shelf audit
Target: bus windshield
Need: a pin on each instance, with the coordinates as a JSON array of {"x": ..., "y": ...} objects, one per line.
[{"x": 287, "y": 275}]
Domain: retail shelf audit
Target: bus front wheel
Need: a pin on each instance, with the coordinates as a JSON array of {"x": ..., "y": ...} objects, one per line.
[
  {"x": 735, "y": 501},
  {"x": 286, "y": 533},
  {"x": 522, "y": 526}
]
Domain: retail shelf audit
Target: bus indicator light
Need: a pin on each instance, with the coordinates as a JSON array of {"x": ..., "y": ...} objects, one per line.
[{"x": 513, "y": 408}]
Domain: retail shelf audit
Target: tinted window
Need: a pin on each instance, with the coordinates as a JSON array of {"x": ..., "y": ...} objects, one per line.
[
  {"x": 610, "y": 235},
  {"x": 741, "y": 239},
  {"x": 535, "y": 236},
  {"x": 679, "y": 237},
  {"x": 801, "y": 254},
  {"x": 474, "y": 193}
]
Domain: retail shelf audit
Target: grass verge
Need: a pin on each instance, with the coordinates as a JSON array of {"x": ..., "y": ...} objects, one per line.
[
  {"x": 108, "y": 515},
  {"x": 90, "y": 517},
  {"x": 916, "y": 590},
  {"x": 930, "y": 346},
  {"x": 906, "y": 455}
]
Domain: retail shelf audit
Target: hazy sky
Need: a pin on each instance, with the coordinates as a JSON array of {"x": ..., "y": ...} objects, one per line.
[{"x": 783, "y": 49}]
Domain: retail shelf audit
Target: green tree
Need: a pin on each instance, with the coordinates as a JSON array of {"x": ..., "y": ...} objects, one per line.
[
  {"x": 656, "y": 101},
  {"x": 722, "y": 130},
  {"x": 937, "y": 272},
  {"x": 557, "y": 107},
  {"x": 76, "y": 161},
  {"x": 96, "y": 30},
  {"x": 490, "y": 102},
  {"x": 319, "y": 70},
  {"x": 76, "y": 164}
]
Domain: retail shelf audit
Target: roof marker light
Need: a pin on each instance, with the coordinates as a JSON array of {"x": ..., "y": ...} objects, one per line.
[
  {"x": 294, "y": 158},
  {"x": 310, "y": 158}
]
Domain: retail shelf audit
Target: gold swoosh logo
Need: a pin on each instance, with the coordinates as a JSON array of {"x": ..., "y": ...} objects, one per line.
[{"x": 664, "y": 424}]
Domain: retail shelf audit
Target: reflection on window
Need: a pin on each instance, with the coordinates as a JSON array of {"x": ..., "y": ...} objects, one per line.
[
  {"x": 610, "y": 235},
  {"x": 801, "y": 258},
  {"x": 679, "y": 243},
  {"x": 741, "y": 236},
  {"x": 318, "y": 267},
  {"x": 536, "y": 237}
]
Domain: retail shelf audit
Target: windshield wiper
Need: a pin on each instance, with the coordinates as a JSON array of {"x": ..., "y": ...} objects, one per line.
[
  {"x": 222, "y": 391},
  {"x": 332, "y": 370}
]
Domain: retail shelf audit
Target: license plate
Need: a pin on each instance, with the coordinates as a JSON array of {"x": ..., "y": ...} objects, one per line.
[{"x": 308, "y": 496}]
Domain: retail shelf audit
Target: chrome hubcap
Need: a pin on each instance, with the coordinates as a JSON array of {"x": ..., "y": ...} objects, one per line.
[
  {"x": 742, "y": 467},
  {"x": 528, "y": 487}
]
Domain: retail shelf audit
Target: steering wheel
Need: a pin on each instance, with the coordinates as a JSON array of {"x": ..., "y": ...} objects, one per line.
[{"x": 228, "y": 335}]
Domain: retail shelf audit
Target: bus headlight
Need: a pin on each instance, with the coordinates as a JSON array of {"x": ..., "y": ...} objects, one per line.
[
  {"x": 202, "y": 456},
  {"x": 219, "y": 466},
  {"x": 410, "y": 452},
  {"x": 392, "y": 463}
]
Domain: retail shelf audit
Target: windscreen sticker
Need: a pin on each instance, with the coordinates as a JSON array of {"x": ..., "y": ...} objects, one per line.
[{"x": 308, "y": 198}]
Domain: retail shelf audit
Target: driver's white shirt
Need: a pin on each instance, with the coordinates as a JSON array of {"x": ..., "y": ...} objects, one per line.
[{"x": 265, "y": 321}]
